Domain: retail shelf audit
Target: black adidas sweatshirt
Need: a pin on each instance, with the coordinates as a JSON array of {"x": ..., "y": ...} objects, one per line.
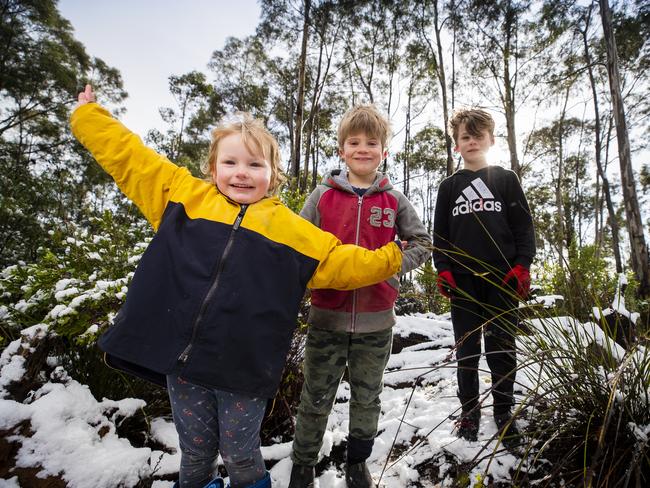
[{"x": 482, "y": 222}]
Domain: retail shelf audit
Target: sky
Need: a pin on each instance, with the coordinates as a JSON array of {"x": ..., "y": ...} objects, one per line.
[
  {"x": 74, "y": 434},
  {"x": 149, "y": 40}
]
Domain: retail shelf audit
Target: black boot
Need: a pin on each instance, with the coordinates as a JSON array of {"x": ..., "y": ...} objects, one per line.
[
  {"x": 301, "y": 476},
  {"x": 467, "y": 425},
  {"x": 508, "y": 431},
  {"x": 358, "y": 476}
]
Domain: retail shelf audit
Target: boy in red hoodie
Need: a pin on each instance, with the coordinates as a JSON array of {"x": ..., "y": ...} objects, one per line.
[{"x": 354, "y": 329}]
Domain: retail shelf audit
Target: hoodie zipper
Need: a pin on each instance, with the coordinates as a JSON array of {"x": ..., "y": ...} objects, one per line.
[
  {"x": 215, "y": 284},
  {"x": 356, "y": 241}
]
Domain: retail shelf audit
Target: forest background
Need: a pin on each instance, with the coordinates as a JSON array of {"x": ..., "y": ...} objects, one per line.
[{"x": 566, "y": 80}]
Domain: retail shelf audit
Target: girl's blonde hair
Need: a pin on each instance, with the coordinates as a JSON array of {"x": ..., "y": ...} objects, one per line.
[{"x": 258, "y": 140}]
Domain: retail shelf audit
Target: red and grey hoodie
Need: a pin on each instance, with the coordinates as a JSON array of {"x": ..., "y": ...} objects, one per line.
[{"x": 378, "y": 217}]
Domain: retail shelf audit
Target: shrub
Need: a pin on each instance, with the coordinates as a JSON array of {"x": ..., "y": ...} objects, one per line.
[
  {"x": 589, "y": 405},
  {"x": 75, "y": 289},
  {"x": 585, "y": 280}
]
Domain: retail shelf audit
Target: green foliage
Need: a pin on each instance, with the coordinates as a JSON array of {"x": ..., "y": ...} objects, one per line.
[
  {"x": 293, "y": 198},
  {"x": 427, "y": 279},
  {"x": 588, "y": 401},
  {"x": 78, "y": 283},
  {"x": 186, "y": 140},
  {"x": 44, "y": 177},
  {"x": 75, "y": 288},
  {"x": 585, "y": 280}
]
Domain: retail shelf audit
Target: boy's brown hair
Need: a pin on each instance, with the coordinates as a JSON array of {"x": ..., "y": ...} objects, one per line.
[
  {"x": 258, "y": 140},
  {"x": 475, "y": 120},
  {"x": 364, "y": 118}
]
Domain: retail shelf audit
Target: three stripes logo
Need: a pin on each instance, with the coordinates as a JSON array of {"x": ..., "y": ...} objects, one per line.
[{"x": 477, "y": 197}]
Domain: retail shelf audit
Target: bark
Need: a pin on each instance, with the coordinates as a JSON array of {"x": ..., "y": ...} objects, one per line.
[
  {"x": 295, "y": 162},
  {"x": 638, "y": 248},
  {"x": 509, "y": 108},
  {"x": 598, "y": 152},
  {"x": 440, "y": 69},
  {"x": 559, "y": 198}
]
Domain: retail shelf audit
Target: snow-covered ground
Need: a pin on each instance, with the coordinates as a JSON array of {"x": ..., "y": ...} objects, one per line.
[{"x": 74, "y": 434}]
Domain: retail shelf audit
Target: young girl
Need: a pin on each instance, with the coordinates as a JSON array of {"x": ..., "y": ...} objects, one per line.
[{"x": 213, "y": 303}]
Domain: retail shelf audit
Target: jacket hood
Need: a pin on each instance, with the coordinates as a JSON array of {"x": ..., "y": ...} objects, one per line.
[{"x": 338, "y": 179}]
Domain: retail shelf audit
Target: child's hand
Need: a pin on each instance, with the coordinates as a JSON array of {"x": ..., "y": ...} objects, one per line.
[
  {"x": 86, "y": 96},
  {"x": 404, "y": 245},
  {"x": 446, "y": 283},
  {"x": 519, "y": 279}
]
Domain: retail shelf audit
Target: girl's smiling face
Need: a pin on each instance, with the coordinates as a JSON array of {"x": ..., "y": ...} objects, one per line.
[{"x": 240, "y": 175}]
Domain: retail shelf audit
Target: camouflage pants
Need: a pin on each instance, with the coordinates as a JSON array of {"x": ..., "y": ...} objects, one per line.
[{"x": 326, "y": 355}]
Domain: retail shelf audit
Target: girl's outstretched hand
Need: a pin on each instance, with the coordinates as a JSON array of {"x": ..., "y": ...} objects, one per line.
[{"x": 86, "y": 96}]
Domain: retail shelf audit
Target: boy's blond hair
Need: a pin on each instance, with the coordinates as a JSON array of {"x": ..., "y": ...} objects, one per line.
[
  {"x": 364, "y": 118},
  {"x": 258, "y": 140},
  {"x": 475, "y": 120}
]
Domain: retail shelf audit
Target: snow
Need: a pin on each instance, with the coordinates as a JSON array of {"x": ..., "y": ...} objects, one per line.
[
  {"x": 74, "y": 436},
  {"x": 548, "y": 301},
  {"x": 618, "y": 304}
]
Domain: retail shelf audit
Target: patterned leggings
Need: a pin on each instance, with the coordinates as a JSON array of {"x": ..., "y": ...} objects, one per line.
[{"x": 212, "y": 421}]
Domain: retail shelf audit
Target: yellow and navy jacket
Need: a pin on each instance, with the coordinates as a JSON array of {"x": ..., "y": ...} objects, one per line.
[{"x": 216, "y": 294}]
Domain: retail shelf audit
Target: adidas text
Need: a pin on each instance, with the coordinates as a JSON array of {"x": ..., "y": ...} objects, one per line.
[{"x": 476, "y": 206}]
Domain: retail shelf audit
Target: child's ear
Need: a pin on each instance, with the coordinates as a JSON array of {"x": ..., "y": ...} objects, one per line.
[
  {"x": 385, "y": 155},
  {"x": 491, "y": 139},
  {"x": 341, "y": 153}
]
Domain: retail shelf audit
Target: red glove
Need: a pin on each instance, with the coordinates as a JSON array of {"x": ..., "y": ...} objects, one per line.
[
  {"x": 446, "y": 283},
  {"x": 522, "y": 277}
]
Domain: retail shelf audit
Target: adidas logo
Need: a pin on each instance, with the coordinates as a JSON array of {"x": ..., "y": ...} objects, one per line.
[{"x": 477, "y": 197}]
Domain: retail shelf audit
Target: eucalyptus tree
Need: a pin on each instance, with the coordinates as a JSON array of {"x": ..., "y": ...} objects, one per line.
[
  {"x": 430, "y": 15},
  {"x": 429, "y": 162},
  {"x": 583, "y": 27},
  {"x": 375, "y": 34},
  {"x": 418, "y": 70},
  {"x": 185, "y": 141},
  {"x": 240, "y": 77},
  {"x": 315, "y": 26},
  {"x": 557, "y": 146},
  {"x": 580, "y": 56},
  {"x": 45, "y": 179},
  {"x": 638, "y": 247},
  {"x": 502, "y": 55}
]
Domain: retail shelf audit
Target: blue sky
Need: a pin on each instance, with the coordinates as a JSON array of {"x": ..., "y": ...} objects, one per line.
[{"x": 150, "y": 40}]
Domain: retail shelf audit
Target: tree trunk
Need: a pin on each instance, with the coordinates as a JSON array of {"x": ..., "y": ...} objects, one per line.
[
  {"x": 310, "y": 119},
  {"x": 314, "y": 159},
  {"x": 598, "y": 150},
  {"x": 509, "y": 109},
  {"x": 406, "y": 151},
  {"x": 559, "y": 195},
  {"x": 440, "y": 69},
  {"x": 638, "y": 248},
  {"x": 302, "y": 63}
]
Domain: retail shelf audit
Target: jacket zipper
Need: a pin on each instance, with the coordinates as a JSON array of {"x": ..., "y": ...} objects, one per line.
[
  {"x": 215, "y": 284},
  {"x": 354, "y": 292}
]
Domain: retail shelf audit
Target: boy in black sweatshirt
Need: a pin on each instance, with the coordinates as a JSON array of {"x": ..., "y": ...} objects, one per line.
[{"x": 484, "y": 244}]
